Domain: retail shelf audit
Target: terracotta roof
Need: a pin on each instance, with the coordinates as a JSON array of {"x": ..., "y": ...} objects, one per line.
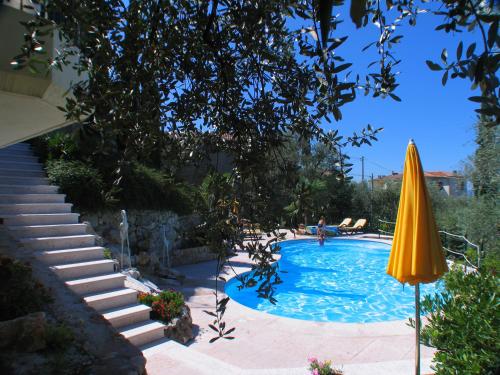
[
  {"x": 399, "y": 176},
  {"x": 440, "y": 174}
]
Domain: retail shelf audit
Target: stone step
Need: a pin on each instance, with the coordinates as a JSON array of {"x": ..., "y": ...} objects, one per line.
[
  {"x": 27, "y": 189},
  {"x": 111, "y": 299},
  {"x": 19, "y": 145},
  {"x": 165, "y": 351},
  {"x": 17, "y": 180},
  {"x": 21, "y": 165},
  {"x": 32, "y": 198},
  {"x": 30, "y": 231},
  {"x": 84, "y": 269},
  {"x": 41, "y": 219},
  {"x": 142, "y": 333},
  {"x": 127, "y": 315},
  {"x": 59, "y": 242},
  {"x": 21, "y": 173},
  {"x": 16, "y": 153},
  {"x": 35, "y": 208},
  {"x": 20, "y": 159},
  {"x": 67, "y": 256},
  {"x": 97, "y": 283}
]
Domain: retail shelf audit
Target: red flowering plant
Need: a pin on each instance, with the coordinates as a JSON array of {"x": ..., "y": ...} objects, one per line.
[{"x": 165, "y": 306}]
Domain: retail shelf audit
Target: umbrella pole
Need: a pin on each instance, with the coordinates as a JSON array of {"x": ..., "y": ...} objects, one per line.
[{"x": 417, "y": 329}]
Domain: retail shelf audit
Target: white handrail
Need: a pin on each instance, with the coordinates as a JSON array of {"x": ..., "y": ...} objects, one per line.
[{"x": 460, "y": 237}]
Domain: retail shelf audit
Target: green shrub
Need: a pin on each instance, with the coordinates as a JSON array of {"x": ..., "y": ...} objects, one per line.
[
  {"x": 58, "y": 336},
  {"x": 20, "y": 294},
  {"x": 56, "y": 145},
  {"x": 463, "y": 323},
  {"x": 166, "y": 306},
  {"x": 107, "y": 253},
  {"x": 143, "y": 187},
  {"x": 82, "y": 184}
]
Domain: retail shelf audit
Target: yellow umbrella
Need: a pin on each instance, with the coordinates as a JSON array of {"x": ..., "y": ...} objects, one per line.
[{"x": 416, "y": 255}]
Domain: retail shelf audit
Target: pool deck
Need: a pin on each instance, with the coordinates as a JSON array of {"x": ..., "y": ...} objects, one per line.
[{"x": 269, "y": 344}]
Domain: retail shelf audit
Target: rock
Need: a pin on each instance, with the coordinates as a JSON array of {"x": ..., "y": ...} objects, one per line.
[
  {"x": 113, "y": 236},
  {"x": 99, "y": 241},
  {"x": 143, "y": 259},
  {"x": 133, "y": 273},
  {"x": 170, "y": 273},
  {"x": 26, "y": 333},
  {"x": 181, "y": 329}
]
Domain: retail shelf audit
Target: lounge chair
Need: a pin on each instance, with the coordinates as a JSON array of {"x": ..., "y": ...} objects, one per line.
[
  {"x": 357, "y": 227},
  {"x": 251, "y": 230},
  {"x": 345, "y": 222}
]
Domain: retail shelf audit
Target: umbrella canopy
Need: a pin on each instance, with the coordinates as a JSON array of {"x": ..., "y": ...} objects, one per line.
[{"x": 416, "y": 255}]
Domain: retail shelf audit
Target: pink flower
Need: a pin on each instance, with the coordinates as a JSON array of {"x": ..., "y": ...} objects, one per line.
[
  {"x": 315, "y": 372},
  {"x": 312, "y": 359}
]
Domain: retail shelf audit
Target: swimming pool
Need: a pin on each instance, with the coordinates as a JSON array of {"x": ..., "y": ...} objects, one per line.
[{"x": 342, "y": 281}]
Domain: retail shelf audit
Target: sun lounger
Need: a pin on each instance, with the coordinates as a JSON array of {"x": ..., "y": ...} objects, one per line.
[
  {"x": 346, "y": 222},
  {"x": 357, "y": 227}
]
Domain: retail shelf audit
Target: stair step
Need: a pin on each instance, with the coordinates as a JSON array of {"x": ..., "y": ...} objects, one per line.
[
  {"x": 194, "y": 361},
  {"x": 41, "y": 219},
  {"x": 65, "y": 256},
  {"x": 59, "y": 243},
  {"x": 31, "y": 198},
  {"x": 27, "y": 189},
  {"x": 84, "y": 269},
  {"x": 21, "y": 173},
  {"x": 17, "y": 180},
  {"x": 30, "y": 231},
  {"x": 20, "y": 159},
  {"x": 21, "y": 165},
  {"x": 34, "y": 208},
  {"x": 20, "y": 145},
  {"x": 17, "y": 153},
  {"x": 127, "y": 315},
  {"x": 111, "y": 299},
  {"x": 97, "y": 283},
  {"x": 142, "y": 333}
]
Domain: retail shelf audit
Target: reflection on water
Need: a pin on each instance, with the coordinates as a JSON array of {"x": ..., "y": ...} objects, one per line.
[{"x": 342, "y": 281}]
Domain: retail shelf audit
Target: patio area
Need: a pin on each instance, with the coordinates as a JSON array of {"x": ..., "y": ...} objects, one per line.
[{"x": 269, "y": 344}]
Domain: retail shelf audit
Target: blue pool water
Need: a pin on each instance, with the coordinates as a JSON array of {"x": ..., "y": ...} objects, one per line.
[{"x": 342, "y": 281}]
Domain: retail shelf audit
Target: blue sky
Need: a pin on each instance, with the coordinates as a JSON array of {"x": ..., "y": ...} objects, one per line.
[{"x": 439, "y": 119}]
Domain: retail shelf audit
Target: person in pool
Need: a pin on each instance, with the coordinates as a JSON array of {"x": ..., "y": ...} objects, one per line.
[{"x": 321, "y": 230}]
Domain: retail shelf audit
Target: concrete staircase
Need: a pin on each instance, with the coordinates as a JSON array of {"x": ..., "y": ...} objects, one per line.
[{"x": 37, "y": 215}]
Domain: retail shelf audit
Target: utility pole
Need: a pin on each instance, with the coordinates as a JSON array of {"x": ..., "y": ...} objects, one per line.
[
  {"x": 362, "y": 168},
  {"x": 372, "y": 181}
]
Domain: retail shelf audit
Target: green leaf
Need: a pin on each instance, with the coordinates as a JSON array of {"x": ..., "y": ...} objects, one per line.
[
  {"x": 339, "y": 68},
  {"x": 492, "y": 34},
  {"x": 395, "y": 97},
  {"x": 433, "y": 65},
  {"x": 470, "y": 50},
  {"x": 459, "y": 50},
  {"x": 444, "y": 55},
  {"x": 445, "y": 78},
  {"x": 358, "y": 11}
]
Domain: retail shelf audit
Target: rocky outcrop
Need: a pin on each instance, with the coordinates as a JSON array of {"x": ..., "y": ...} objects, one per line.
[
  {"x": 180, "y": 257},
  {"x": 180, "y": 329},
  {"x": 26, "y": 333}
]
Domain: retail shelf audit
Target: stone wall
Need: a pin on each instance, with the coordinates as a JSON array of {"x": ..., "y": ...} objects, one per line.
[
  {"x": 146, "y": 237},
  {"x": 180, "y": 257}
]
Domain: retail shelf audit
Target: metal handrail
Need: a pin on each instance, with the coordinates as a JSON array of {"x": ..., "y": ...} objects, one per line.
[
  {"x": 457, "y": 236},
  {"x": 463, "y": 238}
]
